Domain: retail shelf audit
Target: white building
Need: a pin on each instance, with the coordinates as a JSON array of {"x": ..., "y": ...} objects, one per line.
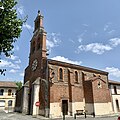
[
  {"x": 114, "y": 87},
  {"x": 7, "y": 95}
]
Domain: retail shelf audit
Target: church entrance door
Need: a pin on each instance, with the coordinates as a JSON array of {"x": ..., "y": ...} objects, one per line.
[{"x": 65, "y": 107}]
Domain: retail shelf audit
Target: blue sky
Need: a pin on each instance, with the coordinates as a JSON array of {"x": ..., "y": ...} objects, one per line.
[{"x": 78, "y": 31}]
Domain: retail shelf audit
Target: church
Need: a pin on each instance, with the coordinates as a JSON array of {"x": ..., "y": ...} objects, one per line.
[{"x": 53, "y": 88}]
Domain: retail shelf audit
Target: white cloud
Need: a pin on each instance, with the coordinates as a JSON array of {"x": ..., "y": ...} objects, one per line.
[
  {"x": 106, "y": 27},
  {"x": 71, "y": 40},
  {"x": 22, "y": 74},
  {"x": 50, "y": 44},
  {"x": 63, "y": 59},
  {"x": 111, "y": 32},
  {"x": 26, "y": 25},
  {"x": 80, "y": 39},
  {"x": 86, "y": 25},
  {"x": 5, "y": 63},
  {"x": 52, "y": 40},
  {"x": 12, "y": 57},
  {"x": 97, "y": 48},
  {"x": 13, "y": 71},
  {"x": 115, "y": 42},
  {"x": 18, "y": 61},
  {"x": 15, "y": 59},
  {"x": 20, "y": 10},
  {"x": 113, "y": 71}
]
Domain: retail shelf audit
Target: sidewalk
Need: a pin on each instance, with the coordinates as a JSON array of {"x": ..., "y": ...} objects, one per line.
[{"x": 82, "y": 117}]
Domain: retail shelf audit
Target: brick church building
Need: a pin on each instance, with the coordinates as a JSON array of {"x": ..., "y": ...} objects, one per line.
[{"x": 60, "y": 86}]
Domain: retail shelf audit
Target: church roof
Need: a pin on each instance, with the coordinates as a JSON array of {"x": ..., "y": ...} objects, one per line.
[
  {"x": 8, "y": 84},
  {"x": 79, "y": 67}
]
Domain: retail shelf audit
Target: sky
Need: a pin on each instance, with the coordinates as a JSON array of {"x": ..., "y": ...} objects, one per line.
[{"x": 82, "y": 32}]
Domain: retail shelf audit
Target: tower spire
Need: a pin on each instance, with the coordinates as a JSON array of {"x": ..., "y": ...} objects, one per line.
[{"x": 38, "y": 21}]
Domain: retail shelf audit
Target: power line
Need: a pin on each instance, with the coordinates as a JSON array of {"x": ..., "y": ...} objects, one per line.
[{"x": 23, "y": 19}]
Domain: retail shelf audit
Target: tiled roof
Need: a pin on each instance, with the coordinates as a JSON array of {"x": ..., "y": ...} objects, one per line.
[
  {"x": 8, "y": 84},
  {"x": 55, "y": 62},
  {"x": 113, "y": 82}
]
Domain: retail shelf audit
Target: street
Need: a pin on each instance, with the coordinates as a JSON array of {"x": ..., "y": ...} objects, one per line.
[{"x": 19, "y": 116}]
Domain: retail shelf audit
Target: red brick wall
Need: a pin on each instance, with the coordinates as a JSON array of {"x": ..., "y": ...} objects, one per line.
[
  {"x": 101, "y": 95},
  {"x": 67, "y": 88}
]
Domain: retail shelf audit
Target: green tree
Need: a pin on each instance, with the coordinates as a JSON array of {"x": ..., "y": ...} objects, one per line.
[
  {"x": 10, "y": 27},
  {"x": 19, "y": 85}
]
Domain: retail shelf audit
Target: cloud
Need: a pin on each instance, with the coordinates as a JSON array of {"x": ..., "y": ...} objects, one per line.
[
  {"x": 22, "y": 74},
  {"x": 18, "y": 61},
  {"x": 12, "y": 57},
  {"x": 113, "y": 71},
  {"x": 63, "y": 59},
  {"x": 71, "y": 40},
  {"x": 8, "y": 64},
  {"x": 13, "y": 71},
  {"x": 80, "y": 39},
  {"x": 115, "y": 42},
  {"x": 20, "y": 10},
  {"x": 26, "y": 25},
  {"x": 86, "y": 25},
  {"x": 97, "y": 48},
  {"x": 111, "y": 32},
  {"x": 106, "y": 27},
  {"x": 15, "y": 59},
  {"x": 53, "y": 40}
]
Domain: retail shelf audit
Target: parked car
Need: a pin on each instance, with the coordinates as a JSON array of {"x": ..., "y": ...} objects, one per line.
[{"x": 118, "y": 118}]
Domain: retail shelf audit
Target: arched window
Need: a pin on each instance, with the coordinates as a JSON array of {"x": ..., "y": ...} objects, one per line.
[
  {"x": 10, "y": 103},
  {"x": 76, "y": 76},
  {"x": 117, "y": 105},
  {"x": 33, "y": 47},
  {"x": 60, "y": 74},
  {"x": 38, "y": 43},
  {"x": 9, "y": 92},
  {"x": 1, "y": 92},
  {"x": 115, "y": 90},
  {"x": 99, "y": 84}
]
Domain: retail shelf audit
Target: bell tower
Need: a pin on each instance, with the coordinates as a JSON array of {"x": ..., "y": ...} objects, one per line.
[
  {"x": 37, "y": 45},
  {"x": 38, "y": 22},
  {"x": 37, "y": 68},
  {"x": 38, "y": 42}
]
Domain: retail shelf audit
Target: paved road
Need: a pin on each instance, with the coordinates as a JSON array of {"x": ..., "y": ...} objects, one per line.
[{"x": 19, "y": 116}]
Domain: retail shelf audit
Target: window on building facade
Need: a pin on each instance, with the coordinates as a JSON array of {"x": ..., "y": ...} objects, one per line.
[
  {"x": 99, "y": 84},
  {"x": 10, "y": 103},
  {"x": 76, "y": 76},
  {"x": 1, "y": 91},
  {"x": 115, "y": 90},
  {"x": 60, "y": 74},
  {"x": 33, "y": 47},
  {"x": 117, "y": 104},
  {"x": 38, "y": 43},
  {"x": 9, "y": 92}
]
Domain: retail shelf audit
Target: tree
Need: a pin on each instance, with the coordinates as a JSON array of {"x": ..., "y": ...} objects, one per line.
[
  {"x": 10, "y": 27},
  {"x": 19, "y": 85}
]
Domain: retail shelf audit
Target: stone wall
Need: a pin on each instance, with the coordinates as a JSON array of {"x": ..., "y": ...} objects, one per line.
[{"x": 19, "y": 99}]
